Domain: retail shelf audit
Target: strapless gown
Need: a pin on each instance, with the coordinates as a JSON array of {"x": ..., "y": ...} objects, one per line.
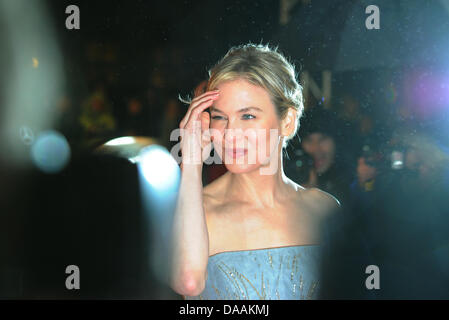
[{"x": 282, "y": 273}]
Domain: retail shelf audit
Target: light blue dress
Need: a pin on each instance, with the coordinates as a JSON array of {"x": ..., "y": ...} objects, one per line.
[{"x": 280, "y": 273}]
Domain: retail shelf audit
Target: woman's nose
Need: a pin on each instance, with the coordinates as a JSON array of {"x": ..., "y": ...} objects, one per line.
[{"x": 233, "y": 136}]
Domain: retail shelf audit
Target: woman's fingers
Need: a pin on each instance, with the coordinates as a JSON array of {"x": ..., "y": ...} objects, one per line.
[
  {"x": 208, "y": 97},
  {"x": 196, "y": 121},
  {"x": 206, "y": 94},
  {"x": 205, "y": 120},
  {"x": 206, "y": 141},
  {"x": 196, "y": 103}
]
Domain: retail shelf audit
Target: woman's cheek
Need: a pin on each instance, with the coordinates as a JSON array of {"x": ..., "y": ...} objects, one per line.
[
  {"x": 273, "y": 143},
  {"x": 218, "y": 145},
  {"x": 263, "y": 145},
  {"x": 216, "y": 135}
]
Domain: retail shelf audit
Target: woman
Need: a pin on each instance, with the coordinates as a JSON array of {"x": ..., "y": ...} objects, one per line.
[{"x": 252, "y": 233}]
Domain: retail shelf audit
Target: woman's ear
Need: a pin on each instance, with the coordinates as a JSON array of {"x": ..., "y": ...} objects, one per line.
[{"x": 289, "y": 123}]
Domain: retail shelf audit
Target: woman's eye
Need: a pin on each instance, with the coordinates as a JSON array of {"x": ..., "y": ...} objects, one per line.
[{"x": 245, "y": 117}]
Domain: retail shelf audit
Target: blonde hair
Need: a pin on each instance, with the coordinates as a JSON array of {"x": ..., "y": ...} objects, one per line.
[{"x": 264, "y": 67}]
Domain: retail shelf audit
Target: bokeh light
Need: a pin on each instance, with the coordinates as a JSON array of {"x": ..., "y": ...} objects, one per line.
[
  {"x": 50, "y": 152},
  {"x": 159, "y": 168},
  {"x": 120, "y": 141}
]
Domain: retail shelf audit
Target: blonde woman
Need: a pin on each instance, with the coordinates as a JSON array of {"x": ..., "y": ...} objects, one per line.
[{"x": 253, "y": 233}]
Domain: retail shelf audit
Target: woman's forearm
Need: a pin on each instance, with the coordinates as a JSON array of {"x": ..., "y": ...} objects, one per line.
[{"x": 190, "y": 247}]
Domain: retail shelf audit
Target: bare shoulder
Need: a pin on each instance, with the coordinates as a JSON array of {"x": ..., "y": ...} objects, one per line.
[
  {"x": 320, "y": 201},
  {"x": 324, "y": 197}
]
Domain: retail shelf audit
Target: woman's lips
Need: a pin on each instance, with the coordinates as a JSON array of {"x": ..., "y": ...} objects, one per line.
[{"x": 236, "y": 153}]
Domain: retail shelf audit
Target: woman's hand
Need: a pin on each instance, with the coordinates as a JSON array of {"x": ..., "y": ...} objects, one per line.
[{"x": 195, "y": 136}]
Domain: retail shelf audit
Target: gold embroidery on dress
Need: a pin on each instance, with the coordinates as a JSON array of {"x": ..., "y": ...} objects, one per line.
[
  {"x": 311, "y": 290},
  {"x": 229, "y": 275},
  {"x": 270, "y": 259},
  {"x": 239, "y": 286},
  {"x": 217, "y": 291},
  {"x": 249, "y": 282},
  {"x": 235, "y": 281},
  {"x": 262, "y": 288}
]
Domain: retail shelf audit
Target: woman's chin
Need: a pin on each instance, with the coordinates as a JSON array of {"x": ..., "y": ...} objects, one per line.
[{"x": 240, "y": 168}]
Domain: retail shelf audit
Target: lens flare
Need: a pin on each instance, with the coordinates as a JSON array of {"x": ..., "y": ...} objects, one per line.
[{"x": 159, "y": 168}]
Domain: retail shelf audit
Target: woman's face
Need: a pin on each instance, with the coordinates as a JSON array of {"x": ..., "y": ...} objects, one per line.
[{"x": 241, "y": 120}]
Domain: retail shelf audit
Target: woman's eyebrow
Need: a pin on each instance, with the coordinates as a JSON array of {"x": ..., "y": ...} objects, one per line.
[{"x": 241, "y": 110}]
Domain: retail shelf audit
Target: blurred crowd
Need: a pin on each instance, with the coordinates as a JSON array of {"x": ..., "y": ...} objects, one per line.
[
  {"x": 394, "y": 195},
  {"x": 108, "y": 103}
]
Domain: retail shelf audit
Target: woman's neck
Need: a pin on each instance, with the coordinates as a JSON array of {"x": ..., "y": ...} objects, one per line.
[{"x": 261, "y": 190}]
